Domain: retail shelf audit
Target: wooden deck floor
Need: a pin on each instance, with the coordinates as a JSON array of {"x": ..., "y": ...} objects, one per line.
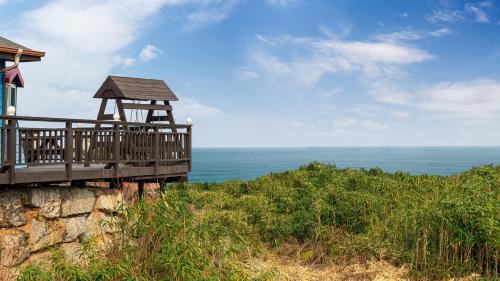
[{"x": 57, "y": 173}]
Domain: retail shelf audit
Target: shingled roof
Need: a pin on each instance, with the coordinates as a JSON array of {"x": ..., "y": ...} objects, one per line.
[
  {"x": 8, "y": 50},
  {"x": 4, "y": 42},
  {"x": 116, "y": 87}
]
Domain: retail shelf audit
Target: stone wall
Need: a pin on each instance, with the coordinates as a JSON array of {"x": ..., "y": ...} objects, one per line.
[{"x": 35, "y": 219}]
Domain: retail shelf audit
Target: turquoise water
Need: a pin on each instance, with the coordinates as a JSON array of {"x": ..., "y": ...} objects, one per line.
[{"x": 218, "y": 164}]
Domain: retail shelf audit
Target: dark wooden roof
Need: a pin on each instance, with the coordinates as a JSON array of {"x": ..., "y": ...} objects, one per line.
[
  {"x": 116, "y": 87},
  {"x": 8, "y": 50}
]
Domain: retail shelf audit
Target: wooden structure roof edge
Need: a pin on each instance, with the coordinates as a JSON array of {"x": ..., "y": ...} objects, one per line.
[
  {"x": 26, "y": 52},
  {"x": 9, "y": 49},
  {"x": 130, "y": 88}
]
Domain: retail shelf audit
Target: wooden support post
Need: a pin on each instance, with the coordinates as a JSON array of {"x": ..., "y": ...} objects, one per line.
[
  {"x": 116, "y": 150},
  {"x": 140, "y": 189},
  {"x": 189, "y": 152},
  {"x": 11, "y": 150},
  {"x": 68, "y": 150}
]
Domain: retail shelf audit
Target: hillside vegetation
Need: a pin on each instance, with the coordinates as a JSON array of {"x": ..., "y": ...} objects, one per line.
[{"x": 317, "y": 216}]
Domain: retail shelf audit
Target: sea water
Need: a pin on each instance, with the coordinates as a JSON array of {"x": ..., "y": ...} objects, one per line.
[{"x": 219, "y": 164}]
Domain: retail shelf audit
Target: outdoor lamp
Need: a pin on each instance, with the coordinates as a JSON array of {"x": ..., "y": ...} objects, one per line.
[
  {"x": 116, "y": 117},
  {"x": 11, "y": 110},
  {"x": 189, "y": 121}
]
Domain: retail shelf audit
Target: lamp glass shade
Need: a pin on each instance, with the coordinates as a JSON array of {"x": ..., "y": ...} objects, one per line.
[{"x": 11, "y": 110}]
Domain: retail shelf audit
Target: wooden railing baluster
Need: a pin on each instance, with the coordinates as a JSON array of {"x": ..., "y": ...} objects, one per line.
[
  {"x": 68, "y": 150},
  {"x": 11, "y": 150}
]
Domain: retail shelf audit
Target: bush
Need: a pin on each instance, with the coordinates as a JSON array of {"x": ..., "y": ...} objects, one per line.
[{"x": 439, "y": 227}]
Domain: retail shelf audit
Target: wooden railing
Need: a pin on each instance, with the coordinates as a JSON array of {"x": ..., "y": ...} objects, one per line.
[{"x": 90, "y": 142}]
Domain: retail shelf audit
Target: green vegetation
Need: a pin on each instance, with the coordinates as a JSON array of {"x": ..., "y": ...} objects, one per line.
[{"x": 439, "y": 227}]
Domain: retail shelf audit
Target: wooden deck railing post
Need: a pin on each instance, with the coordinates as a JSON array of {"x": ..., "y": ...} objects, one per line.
[
  {"x": 68, "y": 150},
  {"x": 116, "y": 149},
  {"x": 11, "y": 150},
  {"x": 189, "y": 148}
]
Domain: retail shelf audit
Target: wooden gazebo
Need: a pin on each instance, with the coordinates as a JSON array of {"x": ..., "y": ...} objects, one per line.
[{"x": 135, "y": 91}]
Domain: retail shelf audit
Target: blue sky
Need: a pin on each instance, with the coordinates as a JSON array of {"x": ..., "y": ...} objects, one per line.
[{"x": 267, "y": 73}]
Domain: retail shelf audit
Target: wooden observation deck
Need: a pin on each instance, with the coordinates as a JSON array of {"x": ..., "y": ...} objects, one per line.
[
  {"x": 47, "y": 150},
  {"x": 90, "y": 150}
]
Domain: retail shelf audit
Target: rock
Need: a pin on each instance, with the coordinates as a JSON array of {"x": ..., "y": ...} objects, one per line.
[
  {"x": 9, "y": 273},
  {"x": 73, "y": 252},
  {"x": 44, "y": 234},
  {"x": 74, "y": 228},
  {"x": 76, "y": 201},
  {"x": 99, "y": 224},
  {"x": 11, "y": 209},
  {"x": 109, "y": 200},
  {"x": 42, "y": 258},
  {"x": 48, "y": 200},
  {"x": 13, "y": 248}
]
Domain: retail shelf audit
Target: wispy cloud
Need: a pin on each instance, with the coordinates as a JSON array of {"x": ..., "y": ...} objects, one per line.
[
  {"x": 445, "y": 15},
  {"x": 341, "y": 30},
  {"x": 281, "y": 3},
  {"x": 148, "y": 53},
  {"x": 468, "y": 100},
  {"x": 479, "y": 10},
  {"x": 320, "y": 56},
  {"x": 411, "y": 35},
  {"x": 210, "y": 12},
  {"x": 449, "y": 13}
]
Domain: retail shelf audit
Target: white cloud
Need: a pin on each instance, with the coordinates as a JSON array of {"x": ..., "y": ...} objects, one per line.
[
  {"x": 190, "y": 108},
  {"x": 469, "y": 100},
  {"x": 411, "y": 35},
  {"x": 445, "y": 15},
  {"x": 211, "y": 11},
  {"x": 83, "y": 41},
  {"x": 148, "y": 53},
  {"x": 479, "y": 10},
  {"x": 448, "y": 13},
  {"x": 341, "y": 30},
  {"x": 319, "y": 57},
  {"x": 124, "y": 61},
  {"x": 3, "y": 2},
  {"x": 246, "y": 74}
]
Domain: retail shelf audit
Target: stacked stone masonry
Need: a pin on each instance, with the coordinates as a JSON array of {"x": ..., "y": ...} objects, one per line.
[{"x": 32, "y": 220}]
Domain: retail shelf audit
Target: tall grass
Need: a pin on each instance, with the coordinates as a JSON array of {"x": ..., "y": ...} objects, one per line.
[{"x": 439, "y": 227}]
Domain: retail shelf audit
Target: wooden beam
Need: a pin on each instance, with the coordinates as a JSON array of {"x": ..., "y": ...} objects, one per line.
[
  {"x": 106, "y": 117},
  {"x": 146, "y": 106},
  {"x": 159, "y": 118},
  {"x": 150, "y": 112}
]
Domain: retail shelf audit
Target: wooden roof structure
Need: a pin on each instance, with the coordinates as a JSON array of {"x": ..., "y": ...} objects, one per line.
[
  {"x": 136, "y": 91},
  {"x": 128, "y": 88},
  {"x": 9, "y": 49}
]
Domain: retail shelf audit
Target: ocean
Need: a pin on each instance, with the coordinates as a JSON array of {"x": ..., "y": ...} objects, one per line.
[{"x": 219, "y": 164}]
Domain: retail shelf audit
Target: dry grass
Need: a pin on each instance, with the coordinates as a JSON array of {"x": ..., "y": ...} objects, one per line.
[{"x": 287, "y": 270}]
